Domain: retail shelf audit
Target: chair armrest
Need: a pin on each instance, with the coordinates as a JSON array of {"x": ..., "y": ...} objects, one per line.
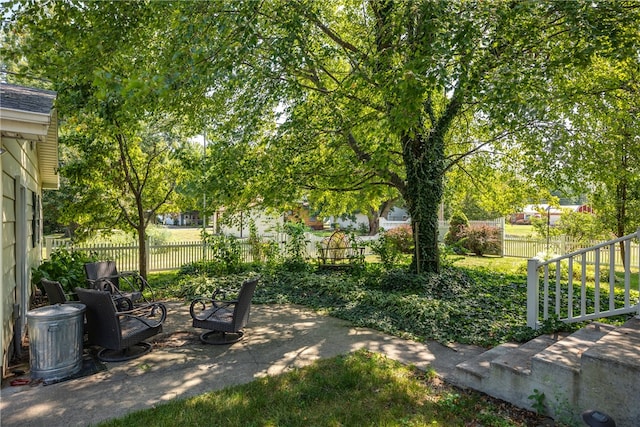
[
  {"x": 219, "y": 294},
  {"x": 217, "y": 305},
  {"x": 143, "y": 314},
  {"x": 103, "y": 284},
  {"x": 133, "y": 280}
]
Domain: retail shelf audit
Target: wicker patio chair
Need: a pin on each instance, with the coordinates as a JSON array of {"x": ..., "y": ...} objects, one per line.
[
  {"x": 225, "y": 320},
  {"x": 104, "y": 276},
  {"x": 120, "y": 333},
  {"x": 54, "y": 291}
]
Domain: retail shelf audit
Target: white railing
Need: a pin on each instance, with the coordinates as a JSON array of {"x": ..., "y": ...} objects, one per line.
[{"x": 565, "y": 295}]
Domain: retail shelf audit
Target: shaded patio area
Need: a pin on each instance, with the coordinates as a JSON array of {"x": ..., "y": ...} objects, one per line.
[{"x": 278, "y": 338}]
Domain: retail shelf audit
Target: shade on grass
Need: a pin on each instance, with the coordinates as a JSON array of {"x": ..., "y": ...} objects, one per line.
[{"x": 360, "y": 389}]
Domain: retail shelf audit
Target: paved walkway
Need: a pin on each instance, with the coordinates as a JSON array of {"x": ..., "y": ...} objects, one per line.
[{"x": 278, "y": 338}]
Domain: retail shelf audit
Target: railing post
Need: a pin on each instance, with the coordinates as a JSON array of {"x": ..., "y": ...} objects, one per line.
[{"x": 532, "y": 293}]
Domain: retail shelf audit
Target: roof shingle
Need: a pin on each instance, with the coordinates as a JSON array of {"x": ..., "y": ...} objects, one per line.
[{"x": 26, "y": 98}]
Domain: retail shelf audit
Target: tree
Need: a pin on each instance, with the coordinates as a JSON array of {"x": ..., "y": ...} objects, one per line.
[
  {"x": 372, "y": 96},
  {"x": 599, "y": 123},
  {"x": 372, "y": 90},
  {"x": 489, "y": 188},
  {"x": 100, "y": 58}
]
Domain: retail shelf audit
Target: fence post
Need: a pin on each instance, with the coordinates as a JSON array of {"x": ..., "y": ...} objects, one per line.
[
  {"x": 48, "y": 244},
  {"x": 502, "y": 236},
  {"x": 532, "y": 293}
]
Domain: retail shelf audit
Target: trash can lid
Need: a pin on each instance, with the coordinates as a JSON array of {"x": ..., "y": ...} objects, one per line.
[{"x": 57, "y": 311}]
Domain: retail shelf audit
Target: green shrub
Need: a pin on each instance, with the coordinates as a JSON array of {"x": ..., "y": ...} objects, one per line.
[
  {"x": 481, "y": 239},
  {"x": 226, "y": 251},
  {"x": 64, "y": 266},
  {"x": 158, "y": 235},
  {"x": 457, "y": 224},
  {"x": 202, "y": 285},
  {"x": 296, "y": 244},
  {"x": 402, "y": 238},
  {"x": 386, "y": 250},
  {"x": 255, "y": 244}
]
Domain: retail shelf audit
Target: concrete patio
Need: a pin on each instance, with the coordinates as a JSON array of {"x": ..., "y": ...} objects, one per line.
[{"x": 278, "y": 338}]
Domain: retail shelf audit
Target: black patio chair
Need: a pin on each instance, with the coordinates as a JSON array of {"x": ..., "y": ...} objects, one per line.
[
  {"x": 120, "y": 333},
  {"x": 127, "y": 286},
  {"x": 54, "y": 291},
  {"x": 225, "y": 320}
]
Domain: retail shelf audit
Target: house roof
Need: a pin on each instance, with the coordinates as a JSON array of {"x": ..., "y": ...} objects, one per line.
[
  {"x": 26, "y": 98},
  {"x": 29, "y": 114}
]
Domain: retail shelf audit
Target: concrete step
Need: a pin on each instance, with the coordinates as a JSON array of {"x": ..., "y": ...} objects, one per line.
[
  {"x": 595, "y": 367},
  {"x": 621, "y": 346},
  {"x": 610, "y": 375},
  {"x": 480, "y": 366},
  {"x": 567, "y": 353},
  {"x": 518, "y": 360}
]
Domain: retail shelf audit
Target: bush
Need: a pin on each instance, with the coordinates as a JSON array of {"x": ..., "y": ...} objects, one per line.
[
  {"x": 64, "y": 266},
  {"x": 457, "y": 224},
  {"x": 203, "y": 285},
  {"x": 296, "y": 244},
  {"x": 481, "y": 239},
  {"x": 402, "y": 238},
  {"x": 158, "y": 235},
  {"x": 386, "y": 250},
  {"x": 226, "y": 252}
]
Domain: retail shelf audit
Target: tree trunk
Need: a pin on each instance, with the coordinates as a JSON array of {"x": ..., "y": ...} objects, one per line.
[
  {"x": 142, "y": 250},
  {"x": 424, "y": 162},
  {"x": 621, "y": 215},
  {"x": 374, "y": 223}
]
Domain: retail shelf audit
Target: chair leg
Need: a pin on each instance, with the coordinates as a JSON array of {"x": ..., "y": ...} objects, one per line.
[
  {"x": 221, "y": 338},
  {"x": 136, "y": 350}
]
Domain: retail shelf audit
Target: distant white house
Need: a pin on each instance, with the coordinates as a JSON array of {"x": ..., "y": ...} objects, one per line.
[
  {"x": 538, "y": 211},
  {"x": 266, "y": 224},
  {"x": 395, "y": 217},
  {"x": 29, "y": 136}
]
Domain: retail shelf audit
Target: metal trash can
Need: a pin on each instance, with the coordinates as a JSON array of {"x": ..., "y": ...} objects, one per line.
[{"x": 55, "y": 340}]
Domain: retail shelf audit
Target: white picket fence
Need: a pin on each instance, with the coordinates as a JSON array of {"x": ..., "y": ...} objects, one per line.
[
  {"x": 170, "y": 256},
  {"x": 524, "y": 247}
]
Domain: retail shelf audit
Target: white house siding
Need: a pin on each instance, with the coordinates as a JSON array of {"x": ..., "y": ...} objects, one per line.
[
  {"x": 266, "y": 224},
  {"x": 20, "y": 180}
]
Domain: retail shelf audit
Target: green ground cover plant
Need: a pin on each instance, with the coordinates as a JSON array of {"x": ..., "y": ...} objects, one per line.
[
  {"x": 458, "y": 305},
  {"x": 471, "y": 305},
  {"x": 359, "y": 389}
]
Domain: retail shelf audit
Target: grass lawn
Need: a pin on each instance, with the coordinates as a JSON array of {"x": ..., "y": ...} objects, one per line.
[
  {"x": 494, "y": 263},
  {"x": 482, "y": 300},
  {"x": 359, "y": 389},
  {"x": 519, "y": 230}
]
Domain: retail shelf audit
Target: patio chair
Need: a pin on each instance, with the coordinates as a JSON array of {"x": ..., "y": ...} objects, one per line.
[
  {"x": 54, "y": 291},
  {"x": 225, "y": 320},
  {"x": 120, "y": 333},
  {"x": 128, "y": 286}
]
